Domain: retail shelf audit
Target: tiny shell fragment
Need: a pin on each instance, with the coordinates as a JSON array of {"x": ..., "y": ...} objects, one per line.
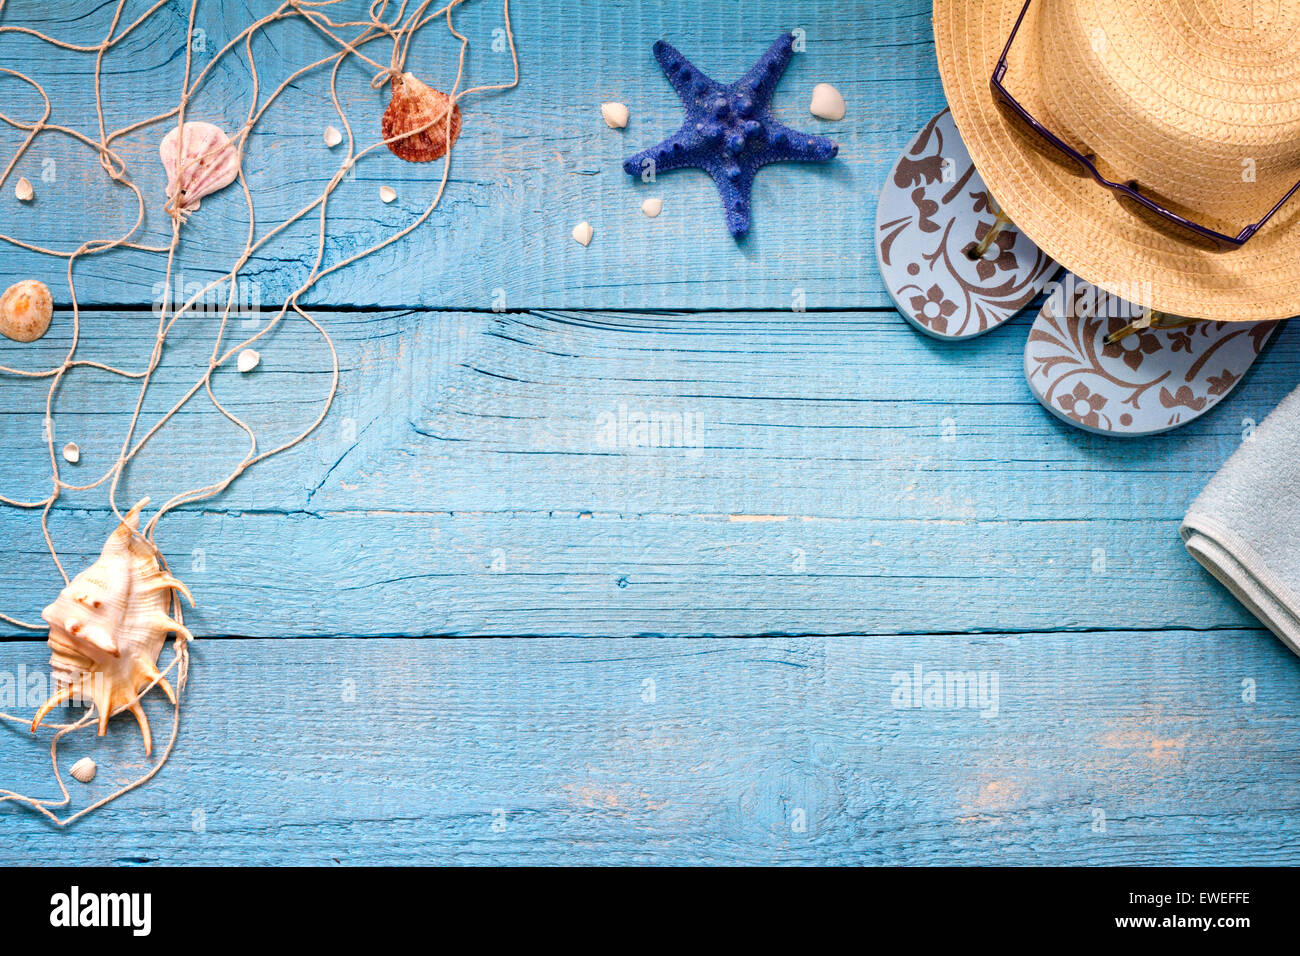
[
  {"x": 332, "y": 137},
  {"x": 23, "y": 189},
  {"x": 387, "y": 193},
  {"x": 615, "y": 115},
  {"x": 25, "y": 310},
  {"x": 71, "y": 453},
  {"x": 652, "y": 207},
  {"x": 416, "y": 106},
  {"x": 248, "y": 360},
  {"x": 827, "y": 103},
  {"x": 583, "y": 232},
  {"x": 84, "y": 770}
]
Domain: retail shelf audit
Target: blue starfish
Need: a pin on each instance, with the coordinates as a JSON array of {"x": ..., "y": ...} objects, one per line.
[{"x": 729, "y": 131}]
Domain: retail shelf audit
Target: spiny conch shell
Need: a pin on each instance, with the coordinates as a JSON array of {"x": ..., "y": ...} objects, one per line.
[
  {"x": 415, "y": 106},
  {"x": 84, "y": 770},
  {"x": 208, "y": 162},
  {"x": 25, "y": 310},
  {"x": 108, "y": 626}
]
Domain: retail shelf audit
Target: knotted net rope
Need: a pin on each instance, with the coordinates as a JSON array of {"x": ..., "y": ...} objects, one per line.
[{"x": 385, "y": 23}]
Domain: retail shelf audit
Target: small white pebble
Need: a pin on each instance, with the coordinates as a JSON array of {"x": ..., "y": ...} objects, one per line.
[
  {"x": 583, "y": 232},
  {"x": 71, "y": 453},
  {"x": 332, "y": 137},
  {"x": 615, "y": 115},
  {"x": 248, "y": 360},
  {"x": 387, "y": 193},
  {"x": 652, "y": 207},
  {"x": 827, "y": 103},
  {"x": 84, "y": 770},
  {"x": 23, "y": 189}
]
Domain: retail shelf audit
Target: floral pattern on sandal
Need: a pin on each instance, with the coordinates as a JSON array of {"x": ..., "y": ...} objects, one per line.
[
  {"x": 933, "y": 209},
  {"x": 1148, "y": 381}
]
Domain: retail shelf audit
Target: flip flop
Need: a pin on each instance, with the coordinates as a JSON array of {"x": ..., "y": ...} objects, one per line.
[
  {"x": 1107, "y": 366},
  {"x": 934, "y": 214}
]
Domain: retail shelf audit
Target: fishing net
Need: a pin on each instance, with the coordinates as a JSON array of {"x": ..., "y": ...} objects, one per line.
[{"x": 381, "y": 40}]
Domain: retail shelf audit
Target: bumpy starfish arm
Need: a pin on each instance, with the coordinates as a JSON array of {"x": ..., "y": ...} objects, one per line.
[
  {"x": 676, "y": 152},
  {"x": 689, "y": 82},
  {"x": 734, "y": 187},
  {"x": 786, "y": 145},
  {"x": 760, "y": 82}
]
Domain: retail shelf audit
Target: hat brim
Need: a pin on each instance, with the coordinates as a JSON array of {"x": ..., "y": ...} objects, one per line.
[{"x": 1078, "y": 222}]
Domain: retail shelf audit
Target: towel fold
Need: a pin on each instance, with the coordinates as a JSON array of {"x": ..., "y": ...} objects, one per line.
[{"x": 1245, "y": 526}]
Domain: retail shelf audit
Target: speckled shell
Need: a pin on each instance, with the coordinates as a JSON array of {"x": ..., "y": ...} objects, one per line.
[
  {"x": 208, "y": 162},
  {"x": 415, "y": 105},
  {"x": 25, "y": 310},
  {"x": 108, "y": 626}
]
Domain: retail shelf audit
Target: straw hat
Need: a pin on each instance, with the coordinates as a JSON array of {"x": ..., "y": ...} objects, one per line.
[{"x": 1198, "y": 101}]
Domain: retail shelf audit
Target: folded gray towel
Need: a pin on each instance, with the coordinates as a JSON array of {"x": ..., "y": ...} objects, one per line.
[{"x": 1245, "y": 526}]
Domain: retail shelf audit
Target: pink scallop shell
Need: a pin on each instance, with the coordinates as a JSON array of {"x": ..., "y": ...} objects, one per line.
[{"x": 208, "y": 162}]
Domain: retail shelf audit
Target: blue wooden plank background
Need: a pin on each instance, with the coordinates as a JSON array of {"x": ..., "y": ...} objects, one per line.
[
  {"x": 764, "y": 750},
  {"x": 694, "y": 640},
  {"x": 531, "y": 162}
]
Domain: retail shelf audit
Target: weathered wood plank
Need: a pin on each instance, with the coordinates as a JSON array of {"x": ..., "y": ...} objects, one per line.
[
  {"x": 379, "y": 574},
  {"x": 475, "y": 477},
  {"x": 530, "y": 164},
  {"x": 851, "y": 415},
  {"x": 1105, "y": 749}
]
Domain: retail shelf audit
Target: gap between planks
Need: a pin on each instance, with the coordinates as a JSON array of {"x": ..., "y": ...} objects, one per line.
[
  {"x": 518, "y": 310},
  {"x": 754, "y": 636}
]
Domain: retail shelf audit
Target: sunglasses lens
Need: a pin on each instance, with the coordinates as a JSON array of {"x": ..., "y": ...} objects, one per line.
[
  {"x": 1170, "y": 227},
  {"x": 1034, "y": 138}
]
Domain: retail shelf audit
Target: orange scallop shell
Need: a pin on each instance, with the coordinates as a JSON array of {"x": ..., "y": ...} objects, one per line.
[
  {"x": 414, "y": 106},
  {"x": 25, "y": 310}
]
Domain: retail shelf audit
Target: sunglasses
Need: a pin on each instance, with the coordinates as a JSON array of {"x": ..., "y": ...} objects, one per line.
[{"x": 1128, "y": 193}]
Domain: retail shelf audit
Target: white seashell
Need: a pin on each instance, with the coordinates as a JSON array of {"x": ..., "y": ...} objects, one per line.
[
  {"x": 84, "y": 770},
  {"x": 23, "y": 189},
  {"x": 108, "y": 626},
  {"x": 71, "y": 453},
  {"x": 827, "y": 103},
  {"x": 583, "y": 232},
  {"x": 332, "y": 137},
  {"x": 615, "y": 115},
  {"x": 25, "y": 310},
  {"x": 652, "y": 207},
  {"x": 387, "y": 193},
  {"x": 208, "y": 162},
  {"x": 248, "y": 360}
]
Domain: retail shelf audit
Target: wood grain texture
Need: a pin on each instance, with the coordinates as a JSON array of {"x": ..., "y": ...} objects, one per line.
[
  {"x": 530, "y": 164},
  {"x": 842, "y": 476},
  {"x": 1117, "y": 748},
  {"x": 784, "y": 509}
]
